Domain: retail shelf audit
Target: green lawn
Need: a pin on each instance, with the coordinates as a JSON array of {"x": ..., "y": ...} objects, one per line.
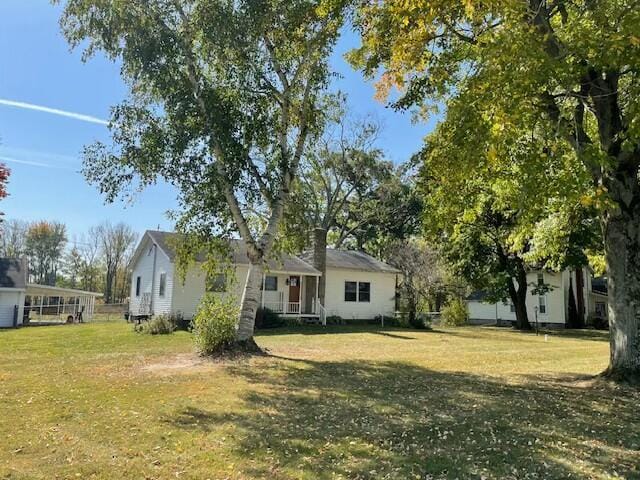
[{"x": 98, "y": 401}]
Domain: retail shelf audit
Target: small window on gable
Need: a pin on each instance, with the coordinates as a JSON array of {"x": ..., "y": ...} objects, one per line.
[
  {"x": 270, "y": 283},
  {"x": 138, "y": 284},
  {"x": 216, "y": 283},
  {"x": 162, "y": 288},
  {"x": 350, "y": 291}
]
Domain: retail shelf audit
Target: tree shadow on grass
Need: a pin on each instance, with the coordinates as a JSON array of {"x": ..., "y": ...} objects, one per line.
[
  {"x": 359, "y": 420},
  {"x": 335, "y": 329}
]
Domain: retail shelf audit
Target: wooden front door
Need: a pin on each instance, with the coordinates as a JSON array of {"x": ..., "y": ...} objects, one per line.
[{"x": 294, "y": 290}]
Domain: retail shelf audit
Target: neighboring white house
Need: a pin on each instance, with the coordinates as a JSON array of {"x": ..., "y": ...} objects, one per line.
[
  {"x": 551, "y": 308},
  {"x": 358, "y": 286},
  {"x": 21, "y": 301}
]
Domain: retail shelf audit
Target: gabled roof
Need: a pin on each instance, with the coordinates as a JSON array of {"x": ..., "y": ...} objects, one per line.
[
  {"x": 13, "y": 273},
  {"x": 353, "y": 260},
  {"x": 283, "y": 263}
]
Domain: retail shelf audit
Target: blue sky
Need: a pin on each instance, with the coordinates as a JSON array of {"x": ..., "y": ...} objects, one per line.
[{"x": 42, "y": 149}]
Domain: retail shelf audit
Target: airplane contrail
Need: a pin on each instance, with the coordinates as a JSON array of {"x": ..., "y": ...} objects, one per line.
[
  {"x": 34, "y": 164},
  {"x": 54, "y": 111}
]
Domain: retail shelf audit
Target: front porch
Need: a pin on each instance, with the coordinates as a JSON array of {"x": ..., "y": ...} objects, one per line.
[{"x": 292, "y": 295}]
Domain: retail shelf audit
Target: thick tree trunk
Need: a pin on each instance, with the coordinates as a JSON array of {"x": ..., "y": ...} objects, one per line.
[
  {"x": 622, "y": 251},
  {"x": 519, "y": 298},
  {"x": 320, "y": 259},
  {"x": 250, "y": 303}
]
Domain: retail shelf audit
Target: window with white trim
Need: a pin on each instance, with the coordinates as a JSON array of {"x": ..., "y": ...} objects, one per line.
[
  {"x": 270, "y": 283},
  {"x": 357, "y": 291}
]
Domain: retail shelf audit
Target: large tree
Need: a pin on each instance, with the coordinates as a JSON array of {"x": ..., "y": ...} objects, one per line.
[
  {"x": 116, "y": 244},
  {"x": 44, "y": 247},
  {"x": 338, "y": 171},
  {"x": 224, "y": 97},
  {"x": 571, "y": 64}
]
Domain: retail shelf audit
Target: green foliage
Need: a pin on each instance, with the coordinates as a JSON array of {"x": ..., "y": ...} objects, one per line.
[
  {"x": 214, "y": 325},
  {"x": 455, "y": 313},
  {"x": 267, "y": 318},
  {"x": 158, "y": 325},
  {"x": 335, "y": 320}
]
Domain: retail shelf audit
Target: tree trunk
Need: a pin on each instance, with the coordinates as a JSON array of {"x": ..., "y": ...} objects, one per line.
[
  {"x": 320, "y": 259},
  {"x": 250, "y": 303},
  {"x": 622, "y": 253},
  {"x": 519, "y": 298}
]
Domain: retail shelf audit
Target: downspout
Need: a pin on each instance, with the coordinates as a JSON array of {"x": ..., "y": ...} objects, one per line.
[{"x": 153, "y": 277}]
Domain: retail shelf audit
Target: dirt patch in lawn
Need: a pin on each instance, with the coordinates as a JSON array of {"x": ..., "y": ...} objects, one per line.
[{"x": 186, "y": 363}]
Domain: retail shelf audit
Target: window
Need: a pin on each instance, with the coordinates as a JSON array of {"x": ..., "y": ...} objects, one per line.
[
  {"x": 512, "y": 307},
  {"x": 216, "y": 283},
  {"x": 364, "y": 291},
  {"x": 541, "y": 279},
  {"x": 162, "y": 288},
  {"x": 350, "y": 291},
  {"x": 542, "y": 303},
  {"x": 271, "y": 283},
  {"x": 138, "y": 282},
  {"x": 357, "y": 291}
]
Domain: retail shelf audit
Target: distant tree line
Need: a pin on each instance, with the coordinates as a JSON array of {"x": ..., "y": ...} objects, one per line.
[{"x": 96, "y": 261}]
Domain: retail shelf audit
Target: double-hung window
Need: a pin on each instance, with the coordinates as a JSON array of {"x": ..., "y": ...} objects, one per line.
[{"x": 357, "y": 291}]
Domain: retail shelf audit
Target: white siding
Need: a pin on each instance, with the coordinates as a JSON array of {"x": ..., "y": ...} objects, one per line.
[
  {"x": 187, "y": 294},
  {"x": 8, "y": 300},
  {"x": 383, "y": 290},
  {"x": 555, "y": 301},
  {"x": 143, "y": 268}
]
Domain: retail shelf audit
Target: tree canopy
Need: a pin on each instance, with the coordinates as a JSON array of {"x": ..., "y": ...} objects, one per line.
[
  {"x": 568, "y": 68},
  {"x": 224, "y": 96}
]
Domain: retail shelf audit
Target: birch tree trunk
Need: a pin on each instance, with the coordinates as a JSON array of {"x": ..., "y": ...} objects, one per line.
[
  {"x": 250, "y": 302},
  {"x": 622, "y": 252},
  {"x": 320, "y": 259}
]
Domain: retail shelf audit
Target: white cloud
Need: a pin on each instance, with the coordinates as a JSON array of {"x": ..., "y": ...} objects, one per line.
[{"x": 54, "y": 111}]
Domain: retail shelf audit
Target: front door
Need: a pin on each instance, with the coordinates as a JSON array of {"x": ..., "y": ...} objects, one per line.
[{"x": 294, "y": 294}]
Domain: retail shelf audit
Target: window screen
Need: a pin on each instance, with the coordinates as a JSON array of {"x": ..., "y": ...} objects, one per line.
[
  {"x": 271, "y": 283},
  {"x": 364, "y": 291},
  {"x": 350, "y": 291}
]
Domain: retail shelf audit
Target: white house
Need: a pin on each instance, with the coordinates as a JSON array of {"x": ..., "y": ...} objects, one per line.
[
  {"x": 21, "y": 301},
  {"x": 358, "y": 286},
  {"x": 551, "y": 308}
]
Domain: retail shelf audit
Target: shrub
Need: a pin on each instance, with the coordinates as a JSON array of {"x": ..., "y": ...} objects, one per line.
[
  {"x": 388, "y": 321},
  {"x": 158, "y": 325},
  {"x": 214, "y": 325},
  {"x": 455, "y": 314},
  {"x": 266, "y": 318},
  {"x": 335, "y": 320}
]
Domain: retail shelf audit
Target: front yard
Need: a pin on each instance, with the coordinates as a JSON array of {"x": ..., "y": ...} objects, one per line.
[{"x": 98, "y": 401}]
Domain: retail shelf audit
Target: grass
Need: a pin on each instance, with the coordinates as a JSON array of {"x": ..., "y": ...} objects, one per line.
[{"x": 98, "y": 401}]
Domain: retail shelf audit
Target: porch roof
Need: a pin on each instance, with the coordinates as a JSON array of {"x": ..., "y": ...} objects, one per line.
[{"x": 34, "y": 289}]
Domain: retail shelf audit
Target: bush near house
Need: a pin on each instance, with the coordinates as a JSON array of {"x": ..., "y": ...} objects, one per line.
[
  {"x": 158, "y": 325},
  {"x": 214, "y": 324},
  {"x": 267, "y": 318},
  {"x": 455, "y": 314}
]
